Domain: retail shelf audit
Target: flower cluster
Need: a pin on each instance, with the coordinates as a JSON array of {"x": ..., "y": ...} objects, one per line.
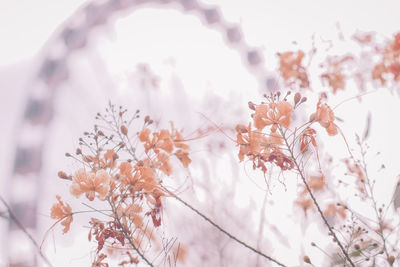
[
  {"x": 292, "y": 70},
  {"x": 263, "y": 144},
  {"x": 126, "y": 178},
  {"x": 325, "y": 117},
  {"x": 390, "y": 62}
]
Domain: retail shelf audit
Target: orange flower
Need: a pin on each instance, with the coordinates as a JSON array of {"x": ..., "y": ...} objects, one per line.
[
  {"x": 305, "y": 203},
  {"x": 164, "y": 141},
  {"x": 252, "y": 144},
  {"x": 183, "y": 157},
  {"x": 144, "y": 135},
  {"x": 332, "y": 210},
  {"x": 161, "y": 140},
  {"x": 178, "y": 138},
  {"x": 256, "y": 143},
  {"x": 390, "y": 62},
  {"x": 163, "y": 160},
  {"x": 355, "y": 169},
  {"x": 179, "y": 142},
  {"x": 315, "y": 183},
  {"x": 260, "y": 117},
  {"x": 325, "y": 117},
  {"x": 125, "y": 172},
  {"x": 307, "y": 137},
  {"x": 273, "y": 114},
  {"x": 283, "y": 113},
  {"x": 291, "y": 68},
  {"x": 146, "y": 179},
  {"x": 131, "y": 212},
  {"x": 62, "y": 212},
  {"x": 110, "y": 159},
  {"x": 334, "y": 74},
  {"x": 90, "y": 183}
]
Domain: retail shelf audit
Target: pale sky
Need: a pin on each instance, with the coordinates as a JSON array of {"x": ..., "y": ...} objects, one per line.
[{"x": 201, "y": 63}]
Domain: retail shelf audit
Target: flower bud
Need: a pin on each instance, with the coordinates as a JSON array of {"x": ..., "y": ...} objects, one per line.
[
  {"x": 124, "y": 130},
  {"x": 297, "y": 98},
  {"x": 391, "y": 260},
  {"x": 63, "y": 175},
  {"x": 251, "y": 105}
]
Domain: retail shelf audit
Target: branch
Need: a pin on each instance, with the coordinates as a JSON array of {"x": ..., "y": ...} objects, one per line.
[
  {"x": 128, "y": 236},
  {"x": 22, "y": 227},
  {"x": 222, "y": 230},
  {"x": 299, "y": 170}
]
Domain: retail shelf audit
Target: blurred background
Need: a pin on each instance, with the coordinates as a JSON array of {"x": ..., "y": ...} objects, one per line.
[{"x": 196, "y": 63}]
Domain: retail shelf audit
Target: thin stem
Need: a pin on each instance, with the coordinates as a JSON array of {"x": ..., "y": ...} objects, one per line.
[
  {"x": 222, "y": 230},
  {"x": 299, "y": 170},
  {"x": 261, "y": 224},
  {"x": 22, "y": 227},
  {"x": 128, "y": 237},
  {"x": 371, "y": 190}
]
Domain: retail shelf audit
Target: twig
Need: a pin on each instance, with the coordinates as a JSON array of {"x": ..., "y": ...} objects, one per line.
[
  {"x": 129, "y": 237},
  {"x": 222, "y": 230},
  {"x": 371, "y": 190},
  {"x": 22, "y": 227},
  {"x": 299, "y": 170}
]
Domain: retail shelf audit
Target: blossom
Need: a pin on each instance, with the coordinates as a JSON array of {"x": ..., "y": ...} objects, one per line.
[
  {"x": 291, "y": 68},
  {"x": 316, "y": 183},
  {"x": 131, "y": 212},
  {"x": 333, "y": 210},
  {"x": 183, "y": 157},
  {"x": 125, "y": 171},
  {"x": 62, "y": 212},
  {"x": 178, "y": 139},
  {"x": 252, "y": 144},
  {"x": 91, "y": 183},
  {"x": 145, "y": 179},
  {"x": 305, "y": 203},
  {"x": 307, "y": 137},
  {"x": 144, "y": 135},
  {"x": 334, "y": 74},
  {"x": 161, "y": 140},
  {"x": 165, "y": 165},
  {"x": 110, "y": 159},
  {"x": 325, "y": 117},
  {"x": 273, "y": 114},
  {"x": 260, "y": 117}
]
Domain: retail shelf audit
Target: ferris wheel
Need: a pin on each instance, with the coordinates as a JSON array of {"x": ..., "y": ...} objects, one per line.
[{"x": 56, "y": 88}]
